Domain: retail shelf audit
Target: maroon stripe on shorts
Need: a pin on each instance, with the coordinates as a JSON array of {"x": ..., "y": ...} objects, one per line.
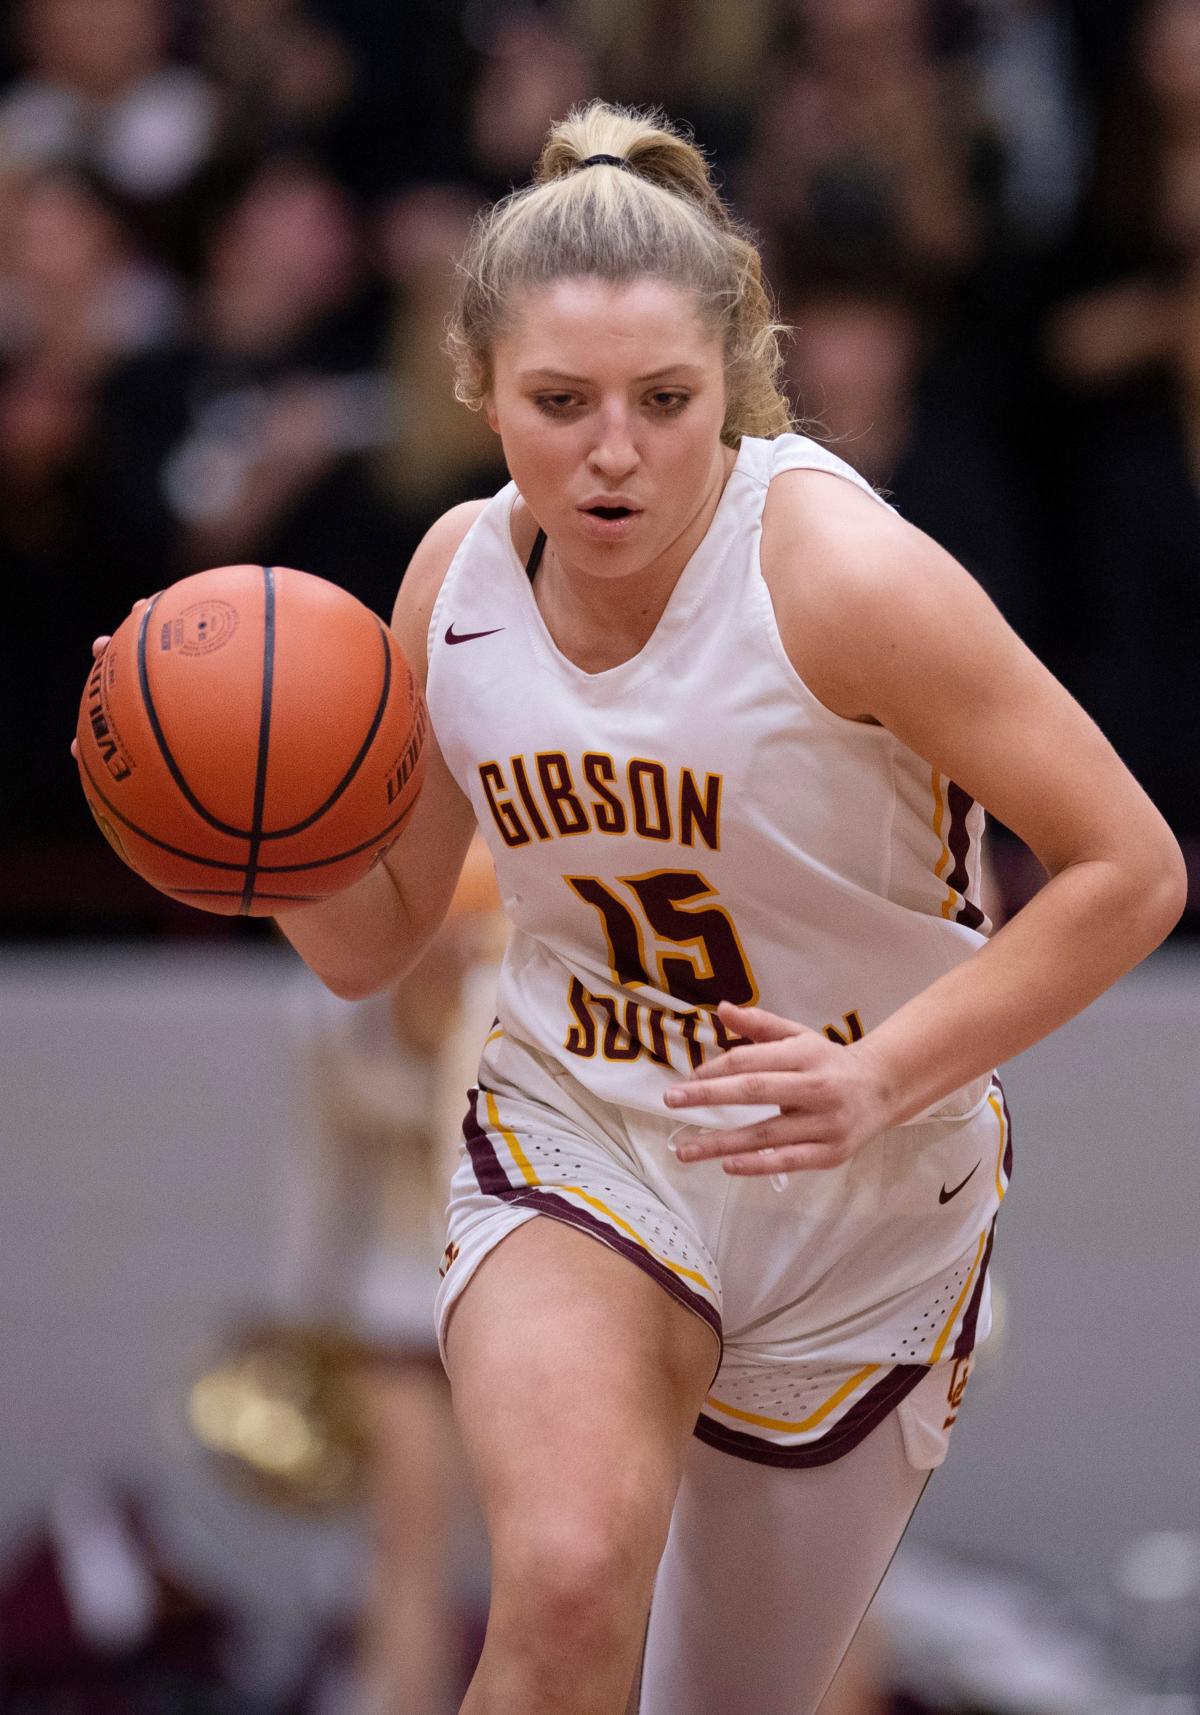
[
  {"x": 965, "y": 1344},
  {"x": 970, "y": 915},
  {"x": 489, "y": 1174},
  {"x": 959, "y": 842},
  {"x": 493, "y": 1182},
  {"x": 864, "y": 1416}
]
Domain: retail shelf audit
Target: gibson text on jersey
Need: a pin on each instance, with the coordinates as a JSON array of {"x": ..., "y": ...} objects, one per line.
[{"x": 543, "y": 796}]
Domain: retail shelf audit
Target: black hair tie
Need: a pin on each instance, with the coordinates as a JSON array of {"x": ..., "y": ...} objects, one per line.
[{"x": 604, "y": 161}]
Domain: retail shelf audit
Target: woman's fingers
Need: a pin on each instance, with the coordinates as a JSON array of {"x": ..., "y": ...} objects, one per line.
[
  {"x": 759, "y": 1025},
  {"x": 787, "y": 1088},
  {"x": 799, "y": 1158},
  {"x": 700, "y": 1143},
  {"x": 778, "y": 1056},
  {"x": 99, "y": 645}
]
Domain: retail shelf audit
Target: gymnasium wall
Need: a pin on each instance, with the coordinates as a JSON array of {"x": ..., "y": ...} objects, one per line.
[{"x": 152, "y": 1104}]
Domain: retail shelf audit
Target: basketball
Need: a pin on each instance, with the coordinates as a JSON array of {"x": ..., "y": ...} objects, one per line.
[{"x": 251, "y": 740}]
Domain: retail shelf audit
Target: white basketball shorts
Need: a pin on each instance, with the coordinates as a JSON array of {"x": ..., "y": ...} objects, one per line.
[{"x": 833, "y": 1299}]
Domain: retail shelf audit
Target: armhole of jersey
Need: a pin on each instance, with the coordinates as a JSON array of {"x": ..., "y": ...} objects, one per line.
[
  {"x": 806, "y": 454},
  {"x": 448, "y": 578}
]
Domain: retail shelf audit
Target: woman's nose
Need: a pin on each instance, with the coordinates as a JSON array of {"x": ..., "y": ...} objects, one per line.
[{"x": 614, "y": 450}]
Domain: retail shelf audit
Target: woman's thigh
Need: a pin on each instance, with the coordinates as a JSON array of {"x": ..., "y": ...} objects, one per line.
[
  {"x": 767, "y": 1574},
  {"x": 563, "y": 1355},
  {"x": 576, "y": 1382}
]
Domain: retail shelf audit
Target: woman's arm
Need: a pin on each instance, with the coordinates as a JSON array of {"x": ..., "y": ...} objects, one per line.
[
  {"x": 883, "y": 625},
  {"x": 365, "y": 937}
]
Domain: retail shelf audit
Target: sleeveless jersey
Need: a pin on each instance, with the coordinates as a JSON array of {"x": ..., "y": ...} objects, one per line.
[{"x": 692, "y": 825}]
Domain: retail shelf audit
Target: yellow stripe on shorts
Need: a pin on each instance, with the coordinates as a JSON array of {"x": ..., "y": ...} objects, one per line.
[
  {"x": 810, "y": 1422},
  {"x": 998, "y": 1110},
  {"x": 530, "y": 1176}
]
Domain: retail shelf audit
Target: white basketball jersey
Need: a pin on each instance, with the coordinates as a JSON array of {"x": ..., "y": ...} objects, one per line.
[{"x": 692, "y": 825}]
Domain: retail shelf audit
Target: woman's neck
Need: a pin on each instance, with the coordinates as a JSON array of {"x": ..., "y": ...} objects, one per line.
[{"x": 600, "y": 622}]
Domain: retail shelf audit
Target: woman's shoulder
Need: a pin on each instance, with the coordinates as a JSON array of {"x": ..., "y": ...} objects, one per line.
[{"x": 843, "y": 570}]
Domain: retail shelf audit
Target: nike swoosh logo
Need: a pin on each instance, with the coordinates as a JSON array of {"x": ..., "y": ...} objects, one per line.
[
  {"x": 944, "y": 1196},
  {"x": 453, "y": 636}
]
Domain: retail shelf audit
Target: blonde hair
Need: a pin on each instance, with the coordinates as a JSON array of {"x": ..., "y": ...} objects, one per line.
[{"x": 657, "y": 215}]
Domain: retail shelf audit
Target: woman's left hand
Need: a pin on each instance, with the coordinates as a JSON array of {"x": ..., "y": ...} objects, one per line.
[{"x": 832, "y": 1098}]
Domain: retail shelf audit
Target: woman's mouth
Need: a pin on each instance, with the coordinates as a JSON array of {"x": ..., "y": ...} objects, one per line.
[{"x": 609, "y": 522}]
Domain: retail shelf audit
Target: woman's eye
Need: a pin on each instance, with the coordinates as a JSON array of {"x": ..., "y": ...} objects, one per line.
[
  {"x": 554, "y": 404},
  {"x": 667, "y": 403}
]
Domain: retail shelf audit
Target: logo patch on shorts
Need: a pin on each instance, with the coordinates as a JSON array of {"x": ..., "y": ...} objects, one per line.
[{"x": 960, "y": 1375}]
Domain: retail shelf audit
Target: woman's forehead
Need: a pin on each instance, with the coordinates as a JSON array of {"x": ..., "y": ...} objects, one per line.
[{"x": 647, "y": 323}]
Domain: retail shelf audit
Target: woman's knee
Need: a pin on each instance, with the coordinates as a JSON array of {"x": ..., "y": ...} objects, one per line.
[{"x": 580, "y": 1573}]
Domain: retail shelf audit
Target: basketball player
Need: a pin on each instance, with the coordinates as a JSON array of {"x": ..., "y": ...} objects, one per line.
[{"x": 720, "y": 1232}]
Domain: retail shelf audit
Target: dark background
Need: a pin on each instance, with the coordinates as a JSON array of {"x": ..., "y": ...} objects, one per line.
[{"x": 226, "y": 231}]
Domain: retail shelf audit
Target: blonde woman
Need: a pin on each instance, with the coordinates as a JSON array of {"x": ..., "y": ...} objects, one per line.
[{"x": 720, "y": 1230}]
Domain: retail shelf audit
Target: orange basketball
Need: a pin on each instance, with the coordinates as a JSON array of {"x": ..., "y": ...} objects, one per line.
[{"x": 251, "y": 740}]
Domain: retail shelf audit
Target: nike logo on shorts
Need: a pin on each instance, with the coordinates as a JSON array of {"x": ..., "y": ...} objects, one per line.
[
  {"x": 944, "y": 1196},
  {"x": 453, "y": 636}
]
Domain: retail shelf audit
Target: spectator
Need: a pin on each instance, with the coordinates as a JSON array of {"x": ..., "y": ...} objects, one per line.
[
  {"x": 866, "y": 139},
  {"x": 75, "y": 294},
  {"x": 861, "y": 370},
  {"x": 1142, "y": 219},
  {"x": 52, "y": 565},
  {"x": 437, "y": 453},
  {"x": 1124, "y": 352},
  {"x": 1028, "y": 89},
  {"x": 99, "y": 86},
  {"x": 246, "y": 441},
  {"x": 533, "y": 71},
  {"x": 285, "y": 79},
  {"x": 701, "y": 60},
  {"x": 1131, "y": 510}
]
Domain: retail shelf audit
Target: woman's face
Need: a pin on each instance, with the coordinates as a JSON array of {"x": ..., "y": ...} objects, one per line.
[{"x": 609, "y": 402}]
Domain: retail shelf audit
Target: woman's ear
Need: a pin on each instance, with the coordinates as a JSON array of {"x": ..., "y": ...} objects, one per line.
[{"x": 489, "y": 411}]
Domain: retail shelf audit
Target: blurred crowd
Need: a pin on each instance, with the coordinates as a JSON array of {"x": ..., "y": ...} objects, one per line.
[{"x": 227, "y": 231}]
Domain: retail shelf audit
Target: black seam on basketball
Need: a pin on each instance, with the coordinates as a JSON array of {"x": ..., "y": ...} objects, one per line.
[
  {"x": 223, "y": 863},
  {"x": 299, "y": 827},
  {"x": 236, "y": 892},
  {"x": 152, "y": 839},
  {"x": 336, "y": 857},
  {"x": 160, "y": 738},
  {"x": 264, "y": 736}
]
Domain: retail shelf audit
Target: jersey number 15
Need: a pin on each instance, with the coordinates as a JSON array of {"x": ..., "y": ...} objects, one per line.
[{"x": 715, "y": 969}]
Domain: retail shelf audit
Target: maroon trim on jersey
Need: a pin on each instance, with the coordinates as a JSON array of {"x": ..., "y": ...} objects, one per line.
[
  {"x": 958, "y": 840},
  {"x": 864, "y": 1415},
  {"x": 493, "y": 1182}
]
